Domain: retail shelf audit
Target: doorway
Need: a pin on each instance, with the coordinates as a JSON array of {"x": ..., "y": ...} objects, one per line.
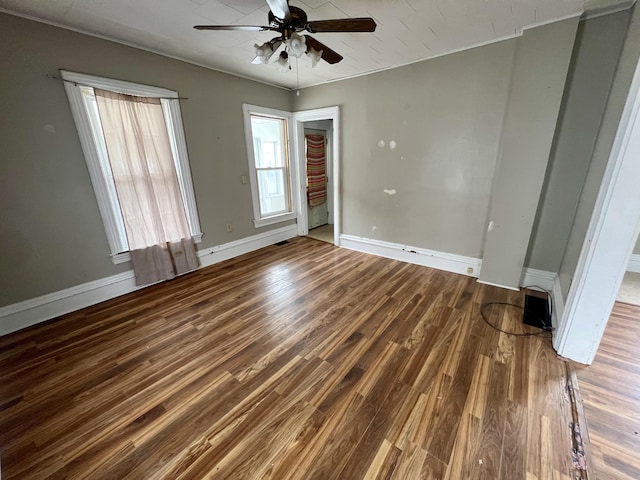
[
  {"x": 317, "y": 144},
  {"x": 629, "y": 291},
  {"x": 317, "y": 139},
  {"x": 609, "y": 242}
]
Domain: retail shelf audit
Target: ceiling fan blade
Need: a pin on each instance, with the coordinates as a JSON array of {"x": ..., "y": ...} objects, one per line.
[
  {"x": 246, "y": 28},
  {"x": 280, "y": 9},
  {"x": 365, "y": 24},
  {"x": 328, "y": 55}
]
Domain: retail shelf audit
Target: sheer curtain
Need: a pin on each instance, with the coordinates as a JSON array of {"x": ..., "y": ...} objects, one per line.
[{"x": 146, "y": 182}]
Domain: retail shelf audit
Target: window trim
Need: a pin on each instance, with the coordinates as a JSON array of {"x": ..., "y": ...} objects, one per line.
[
  {"x": 93, "y": 153},
  {"x": 258, "y": 220}
]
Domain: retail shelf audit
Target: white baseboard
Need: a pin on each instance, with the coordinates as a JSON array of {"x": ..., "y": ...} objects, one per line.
[
  {"x": 539, "y": 278},
  {"x": 220, "y": 253},
  {"x": 530, "y": 277},
  {"x": 498, "y": 285},
  {"x": 634, "y": 264},
  {"x": 30, "y": 312},
  {"x": 35, "y": 310},
  {"x": 558, "y": 302},
  {"x": 441, "y": 260},
  {"x": 419, "y": 256}
]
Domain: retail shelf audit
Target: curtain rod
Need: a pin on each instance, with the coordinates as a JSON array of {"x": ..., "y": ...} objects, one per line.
[{"x": 78, "y": 84}]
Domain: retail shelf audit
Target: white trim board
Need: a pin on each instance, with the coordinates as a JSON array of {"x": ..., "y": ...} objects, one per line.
[
  {"x": 136, "y": 46},
  {"x": 84, "y": 110},
  {"x": 532, "y": 277},
  {"x": 558, "y": 303},
  {"x": 609, "y": 241},
  {"x": 291, "y": 89},
  {"x": 634, "y": 263},
  {"x": 491, "y": 284},
  {"x": 220, "y": 253},
  {"x": 326, "y": 113},
  {"x": 449, "y": 262},
  {"x": 503, "y": 38},
  {"x": 30, "y": 312},
  {"x": 419, "y": 256}
]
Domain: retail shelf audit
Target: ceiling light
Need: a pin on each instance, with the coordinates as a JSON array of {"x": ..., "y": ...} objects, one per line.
[
  {"x": 283, "y": 62},
  {"x": 314, "y": 55},
  {"x": 297, "y": 45},
  {"x": 263, "y": 53}
]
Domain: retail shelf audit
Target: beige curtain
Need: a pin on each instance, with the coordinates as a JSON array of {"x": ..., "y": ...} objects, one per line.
[{"x": 146, "y": 182}]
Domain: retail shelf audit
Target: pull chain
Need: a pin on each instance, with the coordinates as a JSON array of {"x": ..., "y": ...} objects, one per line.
[{"x": 297, "y": 78}]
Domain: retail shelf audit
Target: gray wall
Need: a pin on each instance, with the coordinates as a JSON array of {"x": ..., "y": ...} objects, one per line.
[
  {"x": 604, "y": 141},
  {"x": 598, "y": 45},
  {"x": 51, "y": 233},
  {"x": 535, "y": 94},
  {"x": 445, "y": 116}
]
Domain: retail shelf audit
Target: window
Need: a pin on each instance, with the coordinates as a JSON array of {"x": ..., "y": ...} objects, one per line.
[
  {"x": 267, "y": 133},
  {"x": 80, "y": 90}
]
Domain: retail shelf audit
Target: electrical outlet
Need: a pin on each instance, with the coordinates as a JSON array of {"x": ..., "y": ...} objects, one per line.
[
  {"x": 229, "y": 227},
  {"x": 244, "y": 179},
  {"x": 469, "y": 270}
]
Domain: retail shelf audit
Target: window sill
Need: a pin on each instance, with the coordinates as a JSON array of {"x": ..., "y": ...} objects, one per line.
[
  {"x": 282, "y": 217},
  {"x": 124, "y": 257}
]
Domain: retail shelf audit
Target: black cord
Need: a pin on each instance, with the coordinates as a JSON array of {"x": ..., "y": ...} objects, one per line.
[{"x": 482, "y": 314}]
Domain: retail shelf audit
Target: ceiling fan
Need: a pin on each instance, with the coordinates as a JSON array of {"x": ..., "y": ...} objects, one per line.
[{"x": 289, "y": 22}]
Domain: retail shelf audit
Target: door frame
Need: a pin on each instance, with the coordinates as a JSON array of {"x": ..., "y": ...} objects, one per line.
[
  {"x": 608, "y": 244},
  {"x": 299, "y": 118},
  {"x": 326, "y": 133}
]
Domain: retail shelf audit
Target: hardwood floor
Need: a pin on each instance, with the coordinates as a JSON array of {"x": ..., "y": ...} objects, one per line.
[
  {"x": 300, "y": 361},
  {"x": 610, "y": 390}
]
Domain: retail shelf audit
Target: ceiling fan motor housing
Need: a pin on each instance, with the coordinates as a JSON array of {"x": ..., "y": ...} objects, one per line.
[{"x": 296, "y": 21}]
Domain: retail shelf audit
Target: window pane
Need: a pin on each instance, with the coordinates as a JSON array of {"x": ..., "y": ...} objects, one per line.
[
  {"x": 273, "y": 196},
  {"x": 268, "y": 154},
  {"x": 268, "y": 141}
]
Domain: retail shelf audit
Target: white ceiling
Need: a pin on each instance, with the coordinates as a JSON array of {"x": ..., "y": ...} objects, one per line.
[{"x": 408, "y": 30}]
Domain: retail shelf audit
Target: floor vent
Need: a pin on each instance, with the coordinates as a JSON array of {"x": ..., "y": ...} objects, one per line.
[{"x": 537, "y": 312}]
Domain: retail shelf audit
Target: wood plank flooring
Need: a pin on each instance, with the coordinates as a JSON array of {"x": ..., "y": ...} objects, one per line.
[
  {"x": 300, "y": 361},
  {"x": 610, "y": 390}
]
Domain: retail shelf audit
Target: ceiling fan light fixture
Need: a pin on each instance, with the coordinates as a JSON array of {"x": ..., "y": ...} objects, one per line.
[
  {"x": 283, "y": 62},
  {"x": 289, "y": 21},
  {"x": 314, "y": 55},
  {"x": 297, "y": 45},
  {"x": 263, "y": 52}
]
